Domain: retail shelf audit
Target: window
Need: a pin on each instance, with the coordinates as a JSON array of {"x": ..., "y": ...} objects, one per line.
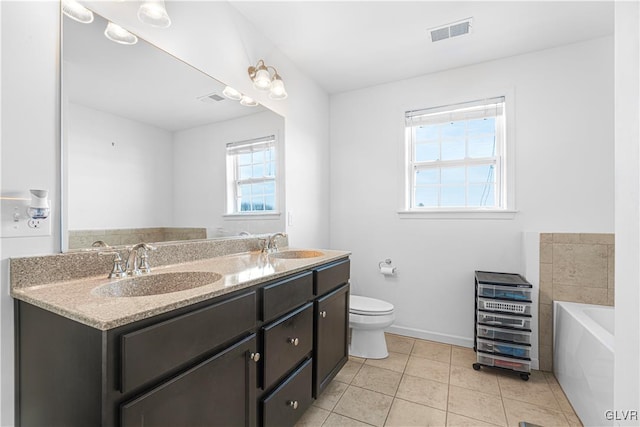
[
  {"x": 455, "y": 157},
  {"x": 251, "y": 173}
]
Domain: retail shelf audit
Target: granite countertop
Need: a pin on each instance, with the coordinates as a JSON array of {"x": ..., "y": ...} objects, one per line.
[{"x": 77, "y": 299}]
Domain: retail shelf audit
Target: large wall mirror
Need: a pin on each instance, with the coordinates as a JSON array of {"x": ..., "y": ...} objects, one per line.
[{"x": 144, "y": 143}]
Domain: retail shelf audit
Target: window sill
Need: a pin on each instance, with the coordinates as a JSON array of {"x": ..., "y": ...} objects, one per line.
[
  {"x": 252, "y": 216},
  {"x": 458, "y": 214}
]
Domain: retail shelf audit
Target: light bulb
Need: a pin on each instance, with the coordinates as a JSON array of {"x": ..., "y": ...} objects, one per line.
[
  {"x": 77, "y": 12},
  {"x": 154, "y": 13},
  {"x": 262, "y": 80},
  {"x": 118, "y": 34},
  {"x": 248, "y": 102},
  {"x": 277, "y": 89},
  {"x": 231, "y": 93}
]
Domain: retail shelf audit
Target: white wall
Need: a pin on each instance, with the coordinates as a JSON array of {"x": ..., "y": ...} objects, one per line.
[
  {"x": 211, "y": 35},
  {"x": 627, "y": 205},
  {"x": 120, "y": 171},
  {"x": 200, "y": 173},
  {"x": 563, "y": 141}
]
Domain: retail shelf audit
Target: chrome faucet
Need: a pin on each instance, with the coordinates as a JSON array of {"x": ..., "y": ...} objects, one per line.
[
  {"x": 138, "y": 263},
  {"x": 271, "y": 245}
]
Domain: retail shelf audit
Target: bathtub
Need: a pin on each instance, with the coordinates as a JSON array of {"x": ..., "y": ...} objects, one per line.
[{"x": 583, "y": 358}]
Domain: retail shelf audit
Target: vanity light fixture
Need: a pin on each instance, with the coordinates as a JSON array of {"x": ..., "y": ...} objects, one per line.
[
  {"x": 264, "y": 80},
  {"x": 154, "y": 13},
  {"x": 77, "y": 12},
  {"x": 248, "y": 101},
  {"x": 116, "y": 33},
  {"x": 231, "y": 93}
]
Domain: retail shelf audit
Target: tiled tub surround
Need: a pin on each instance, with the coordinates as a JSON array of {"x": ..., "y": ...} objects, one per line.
[
  {"x": 574, "y": 267},
  {"x": 35, "y": 280},
  {"x": 84, "y": 238}
]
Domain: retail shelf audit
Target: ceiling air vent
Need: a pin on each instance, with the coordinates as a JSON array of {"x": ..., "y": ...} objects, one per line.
[
  {"x": 448, "y": 31},
  {"x": 211, "y": 98}
]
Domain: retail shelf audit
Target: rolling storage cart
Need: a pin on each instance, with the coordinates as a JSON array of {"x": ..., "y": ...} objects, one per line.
[{"x": 502, "y": 326}]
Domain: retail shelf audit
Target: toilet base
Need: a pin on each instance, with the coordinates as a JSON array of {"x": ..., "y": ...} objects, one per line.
[{"x": 368, "y": 344}]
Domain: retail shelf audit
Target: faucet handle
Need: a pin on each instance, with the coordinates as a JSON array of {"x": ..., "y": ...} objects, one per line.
[
  {"x": 117, "y": 272},
  {"x": 143, "y": 265},
  {"x": 264, "y": 245}
]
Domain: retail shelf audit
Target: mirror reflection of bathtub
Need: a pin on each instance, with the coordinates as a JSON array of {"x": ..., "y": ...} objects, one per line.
[
  {"x": 144, "y": 145},
  {"x": 583, "y": 356}
]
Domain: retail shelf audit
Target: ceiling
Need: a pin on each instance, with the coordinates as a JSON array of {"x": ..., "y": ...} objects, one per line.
[{"x": 348, "y": 45}]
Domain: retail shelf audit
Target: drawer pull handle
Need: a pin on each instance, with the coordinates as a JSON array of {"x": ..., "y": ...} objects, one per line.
[
  {"x": 293, "y": 404},
  {"x": 293, "y": 341},
  {"x": 323, "y": 314},
  {"x": 255, "y": 356}
]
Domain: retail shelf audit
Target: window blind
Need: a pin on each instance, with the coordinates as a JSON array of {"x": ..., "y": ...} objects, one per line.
[
  {"x": 485, "y": 108},
  {"x": 251, "y": 145}
]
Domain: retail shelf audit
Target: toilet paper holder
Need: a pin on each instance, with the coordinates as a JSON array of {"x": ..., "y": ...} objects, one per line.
[{"x": 386, "y": 268}]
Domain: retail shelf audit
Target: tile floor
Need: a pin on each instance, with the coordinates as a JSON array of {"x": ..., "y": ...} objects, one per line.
[{"x": 424, "y": 383}]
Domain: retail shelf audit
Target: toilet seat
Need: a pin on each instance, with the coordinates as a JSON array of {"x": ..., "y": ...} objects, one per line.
[{"x": 365, "y": 306}]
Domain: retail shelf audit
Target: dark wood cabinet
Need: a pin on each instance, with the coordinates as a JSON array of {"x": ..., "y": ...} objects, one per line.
[
  {"x": 331, "y": 349},
  {"x": 187, "y": 400},
  {"x": 257, "y": 356}
]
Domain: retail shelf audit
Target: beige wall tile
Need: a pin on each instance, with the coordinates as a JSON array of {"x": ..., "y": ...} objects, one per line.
[
  {"x": 423, "y": 391},
  {"x": 546, "y": 237},
  {"x": 364, "y": 405},
  {"x": 580, "y": 294},
  {"x": 611, "y": 297},
  {"x": 546, "y": 284},
  {"x": 611, "y": 262},
  {"x": 472, "y": 404},
  {"x": 566, "y": 238},
  {"x": 580, "y": 265},
  {"x": 545, "y": 358},
  {"x": 597, "y": 238},
  {"x": 546, "y": 253},
  {"x": 408, "y": 414},
  {"x": 545, "y": 320}
]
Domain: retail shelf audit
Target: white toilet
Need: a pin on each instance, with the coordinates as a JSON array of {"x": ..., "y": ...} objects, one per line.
[{"x": 368, "y": 317}]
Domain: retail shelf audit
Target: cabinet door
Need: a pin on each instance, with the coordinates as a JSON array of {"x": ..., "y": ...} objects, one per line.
[
  {"x": 218, "y": 392},
  {"x": 331, "y": 350}
]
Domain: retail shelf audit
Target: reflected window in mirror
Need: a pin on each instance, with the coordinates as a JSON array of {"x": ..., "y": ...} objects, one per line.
[{"x": 252, "y": 176}]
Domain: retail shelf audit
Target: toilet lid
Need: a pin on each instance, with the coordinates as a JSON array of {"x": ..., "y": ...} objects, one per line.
[{"x": 369, "y": 306}]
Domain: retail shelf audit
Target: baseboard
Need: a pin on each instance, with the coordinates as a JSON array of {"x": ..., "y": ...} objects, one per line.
[{"x": 431, "y": 336}]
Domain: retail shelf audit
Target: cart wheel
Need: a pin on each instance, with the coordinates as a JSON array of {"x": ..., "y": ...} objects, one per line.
[
  {"x": 524, "y": 377},
  {"x": 476, "y": 366}
]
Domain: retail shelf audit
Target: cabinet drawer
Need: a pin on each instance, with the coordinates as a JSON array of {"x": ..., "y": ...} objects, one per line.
[
  {"x": 286, "y": 343},
  {"x": 504, "y": 334},
  {"x": 150, "y": 352},
  {"x": 504, "y": 320},
  {"x": 513, "y": 293},
  {"x": 283, "y": 296},
  {"x": 330, "y": 277},
  {"x": 504, "y": 349},
  {"x": 289, "y": 401},
  {"x": 523, "y": 308},
  {"x": 504, "y": 362}
]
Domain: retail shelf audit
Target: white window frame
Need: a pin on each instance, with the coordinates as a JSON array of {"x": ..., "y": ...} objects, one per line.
[
  {"x": 504, "y": 208},
  {"x": 233, "y": 149}
]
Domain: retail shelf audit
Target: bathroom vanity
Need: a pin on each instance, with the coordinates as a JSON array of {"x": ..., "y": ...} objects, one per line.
[{"x": 254, "y": 350}]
